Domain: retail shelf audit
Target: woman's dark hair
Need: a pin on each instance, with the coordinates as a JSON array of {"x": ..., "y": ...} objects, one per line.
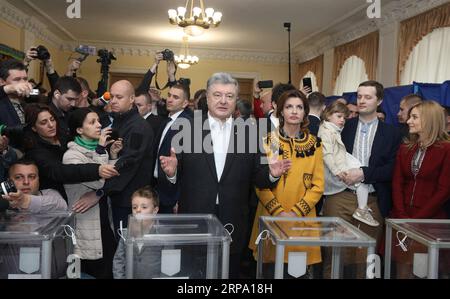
[
  {"x": 32, "y": 112},
  {"x": 293, "y": 94},
  {"x": 76, "y": 119}
]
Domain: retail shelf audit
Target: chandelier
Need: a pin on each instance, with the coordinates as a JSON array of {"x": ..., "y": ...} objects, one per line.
[
  {"x": 184, "y": 60},
  {"x": 196, "y": 20}
]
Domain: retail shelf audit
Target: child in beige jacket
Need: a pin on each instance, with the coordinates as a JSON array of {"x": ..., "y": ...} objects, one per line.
[{"x": 337, "y": 161}]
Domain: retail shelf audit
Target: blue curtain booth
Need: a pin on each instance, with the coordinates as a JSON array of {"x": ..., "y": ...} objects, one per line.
[{"x": 393, "y": 95}]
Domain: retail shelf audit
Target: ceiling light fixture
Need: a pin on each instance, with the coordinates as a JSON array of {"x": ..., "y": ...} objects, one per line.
[
  {"x": 196, "y": 20},
  {"x": 184, "y": 60}
]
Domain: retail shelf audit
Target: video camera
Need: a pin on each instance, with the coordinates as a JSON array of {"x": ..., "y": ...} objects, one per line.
[
  {"x": 105, "y": 60},
  {"x": 105, "y": 57},
  {"x": 85, "y": 51}
]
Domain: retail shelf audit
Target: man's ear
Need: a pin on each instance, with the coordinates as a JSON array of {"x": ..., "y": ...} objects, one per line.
[
  {"x": 57, "y": 94},
  {"x": 2, "y": 82},
  {"x": 380, "y": 102},
  {"x": 185, "y": 103}
]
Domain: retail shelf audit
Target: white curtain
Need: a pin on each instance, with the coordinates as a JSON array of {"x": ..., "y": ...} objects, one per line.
[
  {"x": 352, "y": 73},
  {"x": 311, "y": 75},
  {"x": 429, "y": 62}
]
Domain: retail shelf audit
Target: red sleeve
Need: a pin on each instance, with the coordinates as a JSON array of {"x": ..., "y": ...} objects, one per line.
[
  {"x": 257, "y": 110},
  {"x": 436, "y": 203}
]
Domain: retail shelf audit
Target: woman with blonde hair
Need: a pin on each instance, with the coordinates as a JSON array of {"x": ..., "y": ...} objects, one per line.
[
  {"x": 422, "y": 169},
  {"x": 421, "y": 176}
]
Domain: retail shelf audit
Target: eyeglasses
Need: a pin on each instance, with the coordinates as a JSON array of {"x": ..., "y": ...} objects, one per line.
[{"x": 228, "y": 96}]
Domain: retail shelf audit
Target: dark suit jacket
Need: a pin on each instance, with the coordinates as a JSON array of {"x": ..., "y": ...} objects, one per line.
[
  {"x": 168, "y": 193},
  {"x": 135, "y": 159},
  {"x": 8, "y": 115},
  {"x": 155, "y": 122},
  {"x": 314, "y": 124},
  {"x": 200, "y": 186},
  {"x": 382, "y": 159}
]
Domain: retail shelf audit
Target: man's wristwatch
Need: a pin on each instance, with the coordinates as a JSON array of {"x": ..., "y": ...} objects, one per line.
[{"x": 100, "y": 193}]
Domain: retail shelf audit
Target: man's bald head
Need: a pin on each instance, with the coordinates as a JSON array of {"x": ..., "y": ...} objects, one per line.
[{"x": 122, "y": 96}]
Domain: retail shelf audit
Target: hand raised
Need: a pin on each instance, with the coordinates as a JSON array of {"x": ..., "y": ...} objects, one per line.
[
  {"x": 278, "y": 167},
  {"x": 169, "y": 164}
]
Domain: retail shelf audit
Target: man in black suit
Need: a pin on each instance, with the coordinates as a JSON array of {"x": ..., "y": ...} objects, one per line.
[
  {"x": 374, "y": 144},
  {"x": 316, "y": 102},
  {"x": 217, "y": 178},
  {"x": 177, "y": 102},
  {"x": 143, "y": 102}
]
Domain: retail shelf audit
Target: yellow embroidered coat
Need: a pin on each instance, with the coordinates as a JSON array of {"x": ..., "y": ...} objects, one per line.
[{"x": 298, "y": 191}]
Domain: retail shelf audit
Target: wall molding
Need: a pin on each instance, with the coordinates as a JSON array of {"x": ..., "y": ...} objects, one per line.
[
  {"x": 202, "y": 53},
  {"x": 30, "y": 24},
  {"x": 391, "y": 15}
]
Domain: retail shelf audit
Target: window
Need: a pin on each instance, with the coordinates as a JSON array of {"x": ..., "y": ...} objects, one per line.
[
  {"x": 352, "y": 73},
  {"x": 429, "y": 62}
]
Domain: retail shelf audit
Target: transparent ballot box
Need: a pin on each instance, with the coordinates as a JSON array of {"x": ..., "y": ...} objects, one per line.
[
  {"x": 177, "y": 246},
  {"x": 32, "y": 245},
  {"x": 417, "y": 248},
  {"x": 290, "y": 247}
]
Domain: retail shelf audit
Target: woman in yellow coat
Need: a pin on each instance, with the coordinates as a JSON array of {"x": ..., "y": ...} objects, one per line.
[{"x": 300, "y": 188}]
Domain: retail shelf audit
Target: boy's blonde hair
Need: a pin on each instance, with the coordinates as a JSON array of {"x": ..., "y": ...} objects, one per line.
[
  {"x": 335, "y": 107},
  {"x": 434, "y": 124},
  {"x": 147, "y": 192}
]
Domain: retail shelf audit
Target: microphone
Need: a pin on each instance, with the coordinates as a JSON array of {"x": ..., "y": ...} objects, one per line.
[
  {"x": 4, "y": 205},
  {"x": 104, "y": 100}
]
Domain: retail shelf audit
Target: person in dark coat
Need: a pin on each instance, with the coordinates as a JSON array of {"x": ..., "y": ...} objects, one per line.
[
  {"x": 14, "y": 88},
  {"x": 136, "y": 158},
  {"x": 316, "y": 102}
]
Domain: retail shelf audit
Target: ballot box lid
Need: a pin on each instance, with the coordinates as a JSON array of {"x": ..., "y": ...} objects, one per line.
[
  {"x": 26, "y": 226},
  {"x": 427, "y": 231}
]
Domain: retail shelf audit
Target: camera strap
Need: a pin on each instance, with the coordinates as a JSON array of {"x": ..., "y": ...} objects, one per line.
[{"x": 156, "y": 78}]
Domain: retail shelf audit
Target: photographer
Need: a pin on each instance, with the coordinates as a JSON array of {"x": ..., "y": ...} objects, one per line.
[
  {"x": 25, "y": 175},
  {"x": 171, "y": 70},
  {"x": 14, "y": 88},
  {"x": 42, "y": 53}
]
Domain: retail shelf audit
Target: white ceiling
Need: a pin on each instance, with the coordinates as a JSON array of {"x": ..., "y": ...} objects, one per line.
[{"x": 255, "y": 25}]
